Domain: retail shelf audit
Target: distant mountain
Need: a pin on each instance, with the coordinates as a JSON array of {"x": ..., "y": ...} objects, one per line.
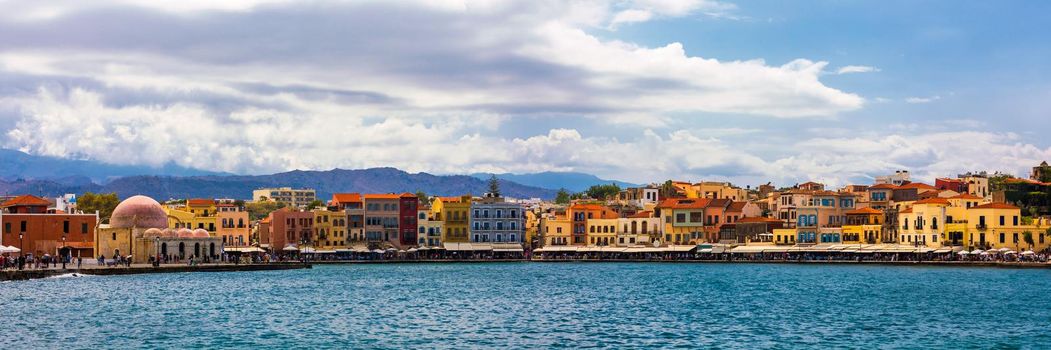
[
  {"x": 16, "y": 165},
  {"x": 376, "y": 180},
  {"x": 572, "y": 181}
]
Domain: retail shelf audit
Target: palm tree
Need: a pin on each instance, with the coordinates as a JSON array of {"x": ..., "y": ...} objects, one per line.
[{"x": 1027, "y": 236}]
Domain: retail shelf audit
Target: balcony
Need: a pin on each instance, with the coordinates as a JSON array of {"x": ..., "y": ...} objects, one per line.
[{"x": 982, "y": 227}]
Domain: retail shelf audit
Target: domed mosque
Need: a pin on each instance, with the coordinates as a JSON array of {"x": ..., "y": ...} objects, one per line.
[{"x": 140, "y": 227}]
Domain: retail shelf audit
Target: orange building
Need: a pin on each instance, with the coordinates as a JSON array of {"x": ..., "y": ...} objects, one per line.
[
  {"x": 29, "y": 226},
  {"x": 580, "y": 214}
]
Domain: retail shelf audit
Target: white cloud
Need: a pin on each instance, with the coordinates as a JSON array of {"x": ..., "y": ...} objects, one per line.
[
  {"x": 856, "y": 69},
  {"x": 198, "y": 86},
  {"x": 918, "y": 100}
]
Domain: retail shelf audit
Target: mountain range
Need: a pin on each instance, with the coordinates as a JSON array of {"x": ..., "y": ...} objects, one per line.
[
  {"x": 22, "y": 173},
  {"x": 572, "y": 181}
]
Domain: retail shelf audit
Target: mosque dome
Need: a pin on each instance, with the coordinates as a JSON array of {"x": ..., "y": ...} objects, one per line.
[
  {"x": 153, "y": 232},
  {"x": 200, "y": 233},
  {"x": 139, "y": 211},
  {"x": 184, "y": 233}
]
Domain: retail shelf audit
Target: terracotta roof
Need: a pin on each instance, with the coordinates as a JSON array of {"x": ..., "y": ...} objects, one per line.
[
  {"x": 642, "y": 215},
  {"x": 932, "y": 200},
  {"x": 265, "y": 220},
  {"x": 917, "y": 185},
  {"x": 737, "y": 206},
  {"x": 381, "y": 196},
  {"x": 995, "y": 205},
  {"x": 883, "y": 187},
  {"x": 720, "y": 202},
  {"x": 346, "y": 197},
  {"x": 906, "y": 211},
  {"x": 685, "y": 203},
  {"x": 965, "y": 196},
  {"x": 588, "y": 207},
  {"x": 26, "y": 200},
  {"x": 407, "y": 195},
  {"x": 200, "y": 201},
  {"x": 864, "y": 211},
  {"x": 757, "y": 219}
]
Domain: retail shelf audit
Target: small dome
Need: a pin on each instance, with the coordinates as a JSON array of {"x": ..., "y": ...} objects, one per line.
[
  {"x": 139, "y": 211},
  {"x": 153, "y": 232},
  {"x": 200, "y": 233},
  {"x": 168, "y": 233},
  {"x": 184, "y": 233}
]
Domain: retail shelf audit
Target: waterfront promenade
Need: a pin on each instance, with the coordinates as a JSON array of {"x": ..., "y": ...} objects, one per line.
[{"x": 34, "y": 273}]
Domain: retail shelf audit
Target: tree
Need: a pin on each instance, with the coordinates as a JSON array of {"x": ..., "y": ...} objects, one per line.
[
  {"x": 603, "y": 191},
  {"x": 315, "y": 204},
  {"x": 259, "y": 210},
  {"x": 104, "y": 203},
  {"x": 1027, "y": 236},
  {"x": 562, "y": 197},
  {"x": 667, "y": 189},
  {"x": 494, "y": 186},
  {"x": 422, "y": 196}
]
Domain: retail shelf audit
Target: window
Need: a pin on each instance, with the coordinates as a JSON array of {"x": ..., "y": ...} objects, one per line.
[
  {"x": 1002, "y": 240},
  {"x": 65, "y": 226},
  {"x": 680, "y": 217},
  {"x": 23, "y": 226},
  {"x": 1015, "y": 220},
  {"x": 84, "y": 228},
  {"x": 1001, "y": 220}
]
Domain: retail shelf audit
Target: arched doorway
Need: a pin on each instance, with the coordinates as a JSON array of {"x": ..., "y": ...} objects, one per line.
[
  {"x": 164, "y": 249},
  {"x": 196, "y": 250},
  {"x": 211, "y": 249},
  {"x": 116, "y": 252},
  {"x": 182, "y": 250}
]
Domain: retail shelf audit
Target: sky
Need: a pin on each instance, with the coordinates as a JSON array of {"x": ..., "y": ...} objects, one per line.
[{"x": 634, "y": 90}]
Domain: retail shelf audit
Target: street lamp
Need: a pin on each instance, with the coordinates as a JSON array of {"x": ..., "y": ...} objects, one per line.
[
  {"x": 21, "y": 244},
  {"x": 60, "y": 251}
]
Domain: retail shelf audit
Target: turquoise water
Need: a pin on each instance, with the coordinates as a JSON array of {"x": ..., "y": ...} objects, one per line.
[{"x": 538, "y": 305}]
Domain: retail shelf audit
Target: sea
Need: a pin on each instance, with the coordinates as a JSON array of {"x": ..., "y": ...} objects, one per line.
[{"x": 524, "y": 305}]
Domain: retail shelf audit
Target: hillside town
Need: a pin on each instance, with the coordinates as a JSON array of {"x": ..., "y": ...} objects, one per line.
[{"x": 972, "y": 216}]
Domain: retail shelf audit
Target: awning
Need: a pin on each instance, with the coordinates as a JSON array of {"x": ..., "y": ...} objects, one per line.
[
  {"x": 325, "y": 252},
  {"x": 680, "y": 248},
  {"x": 290, "y": 248},
  {"x": 745, "y": 249},
  {"x": 307, "y": 250},
  {"x": 243, "y": 249},
  {"x": 507, "y": 248}
]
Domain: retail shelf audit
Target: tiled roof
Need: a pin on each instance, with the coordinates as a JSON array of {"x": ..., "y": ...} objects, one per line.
[
  {"x": 200, "y": 201},
  {"x": 381, "y": 196},
  {"x": 720, "y": 203},
  {"x": 995, "y": 205},
  {"x": 737, "y": 206},
  {"x": 407, "y": 195},
  {"x": 642, "y": 215},
  {"x": 917, "y": 185},
  {"x": 863, "y": 211},
  {"x": 346, "y": 197},
  {"x": 883, "y": 187},
  {"x": 685, "y": 203},
  {"x": 906, "y": 211},
  {"x": 932, "y": 200},
  {"x": 26, "y": 200},
  {"x": 965, "y": 196}
]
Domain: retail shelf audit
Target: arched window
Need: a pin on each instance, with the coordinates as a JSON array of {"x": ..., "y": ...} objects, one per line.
[{"x": 643, "y": 227}]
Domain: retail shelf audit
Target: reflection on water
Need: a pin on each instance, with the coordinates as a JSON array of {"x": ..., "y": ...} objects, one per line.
[{"x": 537, "y": 305}]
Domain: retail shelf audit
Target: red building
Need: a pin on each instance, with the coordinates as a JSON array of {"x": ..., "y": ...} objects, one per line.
[
  {"x": 957, "y": 185},
  {"x": 27, "y": 225},
  {"x": 288, "y": 228},
  {"x": 407, "y": 204}
]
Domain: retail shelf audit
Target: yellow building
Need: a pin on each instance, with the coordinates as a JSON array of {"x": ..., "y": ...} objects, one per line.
[
  {"x": 602, "y": 232},
  {"x": 999, "y": 225},
  {"x": 784, "y": 236},
  {"x": 532, "y": 227},
  {"x": 924, "y": 223},
  {"x": 330, "y": 230},
  {"x": 556, "y": 230},
  {"x": 863, "y": 225},
  {"x": 453, "y": 213}
]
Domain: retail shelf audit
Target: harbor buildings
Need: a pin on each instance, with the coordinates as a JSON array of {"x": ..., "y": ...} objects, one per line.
[
  {"x": 495, "y": 220},
  {"x": 298, "y": 198},
  {"x": 28, "y": 224}
]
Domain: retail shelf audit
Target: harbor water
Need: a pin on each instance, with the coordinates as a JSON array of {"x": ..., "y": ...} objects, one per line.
[{"x": 538, "y": 305}]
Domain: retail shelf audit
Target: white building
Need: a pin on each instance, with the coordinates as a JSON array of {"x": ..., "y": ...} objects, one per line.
[{"x": 494, "y": 220}]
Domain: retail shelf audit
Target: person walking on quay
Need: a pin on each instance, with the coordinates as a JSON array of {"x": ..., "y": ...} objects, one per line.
[{"x": 79, "y": 261}]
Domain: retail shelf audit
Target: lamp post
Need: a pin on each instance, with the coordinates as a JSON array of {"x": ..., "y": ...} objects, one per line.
[
  {"x": 60, "y": 250},
  {"x": 21, "y": 250}
]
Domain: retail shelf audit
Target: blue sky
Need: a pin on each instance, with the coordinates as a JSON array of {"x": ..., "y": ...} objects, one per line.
[{"x": 637, "y": 90}]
